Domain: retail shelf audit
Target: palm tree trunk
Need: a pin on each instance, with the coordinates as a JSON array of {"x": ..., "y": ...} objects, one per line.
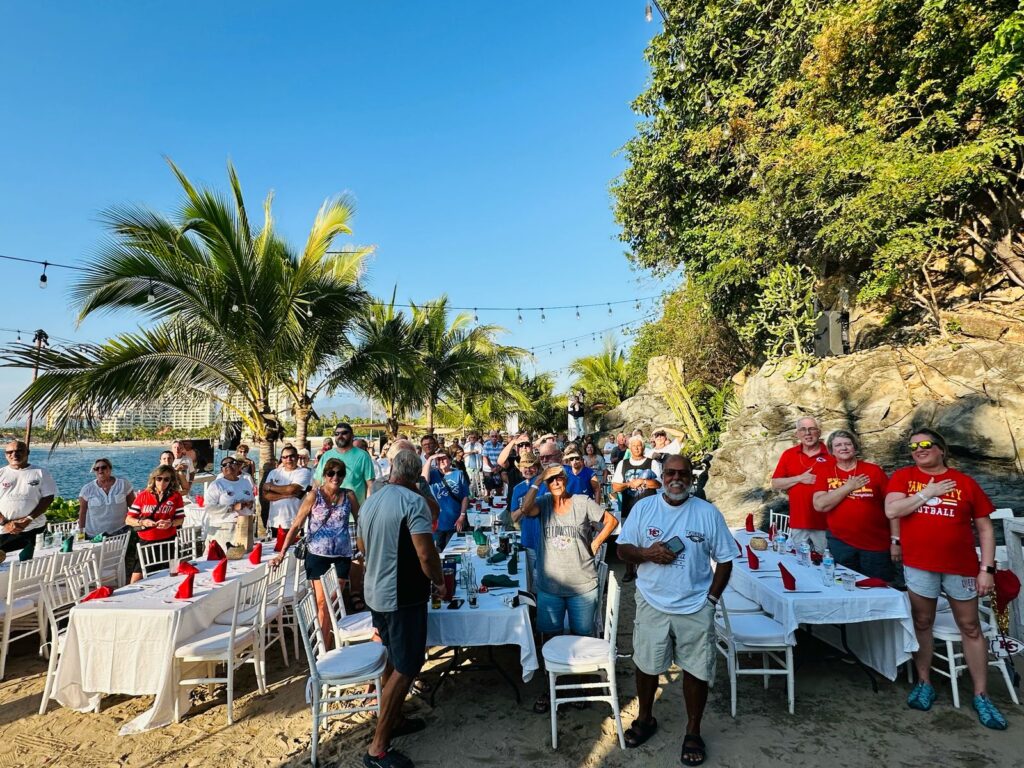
[
  {"x": 302, "y": 414},
  {"x": 430, "y": 415}
]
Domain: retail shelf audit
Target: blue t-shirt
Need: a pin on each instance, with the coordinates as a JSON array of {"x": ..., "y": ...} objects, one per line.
[
  {"x": 529, "y": 527},
  {"x": 580, "y": 483},
  {"x": 441, "y": 486}
]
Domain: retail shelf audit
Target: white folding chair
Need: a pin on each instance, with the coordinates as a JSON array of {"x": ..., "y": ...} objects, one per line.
[
  {"x": 111, "y": 560},
  {"x": 737, "y": 603},
  {"x": 61, "y": 562},
  {"x": 578, "y": 655},
  {"x": 602, "y": 597},
  {"x": 233, "y": 645},
  {"x": 59, "y": 597},
  {"x": 156, "y": 556},
  {"x": 190, "y": 542},
  {"x": 63, "y": 529},
  {"x": 295, "y": 588},
  {"x": 757, "y": 634},
  {"x": 331, "y": 672},
  {"x": 780, "y": 520},
  {"x": 273, "y": 615},
  {"x": 22, "y": 609},
  {"x": 949, "y": 649},
  {"x": 354, "y": 628}
]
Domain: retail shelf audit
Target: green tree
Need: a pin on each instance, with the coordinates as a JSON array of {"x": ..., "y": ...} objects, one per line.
[{"x": 604, "y": 377}]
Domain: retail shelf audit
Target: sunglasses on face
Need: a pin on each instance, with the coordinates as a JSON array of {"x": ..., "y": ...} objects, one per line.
[
  {"x": 161, "y": 479},
  {"x": 290, "y": 456},
  {"x": 100, "y": 468},
  {"x": 340, "y": 432},
  {"x": 332, "y": 473},
  {"x": 922, "y": 444},
  {"x": 227, "y": 464}
]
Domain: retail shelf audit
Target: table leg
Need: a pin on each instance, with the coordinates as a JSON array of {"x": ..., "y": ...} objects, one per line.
[{"x": 456, "y": 665}]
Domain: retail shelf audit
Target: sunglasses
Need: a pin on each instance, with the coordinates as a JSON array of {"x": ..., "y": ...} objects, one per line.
[
  {"x": 922, "y": 444},
  {"x": 575, "y": 458},
  {"x": 290, "y": 456},
  {"x": 333, "y": 473},
  {"x": 227, "y": 464},
  {"x": 343, "y": 431},
  {"x": 100, "y": 468},
  {"x": 161, "y": 479}
]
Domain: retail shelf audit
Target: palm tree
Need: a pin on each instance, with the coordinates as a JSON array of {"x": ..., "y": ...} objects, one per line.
[
  {"x": 604, "y": 377},
  {"x": 486, "y": 402},
  {"x": 230, "y": 306}
]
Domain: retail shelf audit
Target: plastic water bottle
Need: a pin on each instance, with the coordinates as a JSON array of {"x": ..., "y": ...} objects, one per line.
[
  {"x": 804, "y": 557},
  {"x": 828, "y": 569}
]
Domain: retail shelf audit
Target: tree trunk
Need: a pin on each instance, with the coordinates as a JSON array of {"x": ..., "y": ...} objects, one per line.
[
  {"x": 430, "y": 416},
  {"x": 302, "y": 412}
]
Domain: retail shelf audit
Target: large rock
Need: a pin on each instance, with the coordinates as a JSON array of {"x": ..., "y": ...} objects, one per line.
[
  {"x": 647, "y": 410},
  {"x": 972, "y": 393}
]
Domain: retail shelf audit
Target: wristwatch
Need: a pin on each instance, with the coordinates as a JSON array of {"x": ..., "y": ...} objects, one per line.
[
  {"x": 895, "y": 540},
  {"x": 988, "y": 569}
]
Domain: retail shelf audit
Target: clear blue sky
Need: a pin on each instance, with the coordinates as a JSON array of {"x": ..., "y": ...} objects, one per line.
[{"x": 478, "y": 140}]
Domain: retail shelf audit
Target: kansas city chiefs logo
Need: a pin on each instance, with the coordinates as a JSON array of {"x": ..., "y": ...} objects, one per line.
[{"x": 654, "y": 532}]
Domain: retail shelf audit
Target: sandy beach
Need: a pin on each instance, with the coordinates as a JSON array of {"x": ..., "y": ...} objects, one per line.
[{"x": 476, "y": 722}]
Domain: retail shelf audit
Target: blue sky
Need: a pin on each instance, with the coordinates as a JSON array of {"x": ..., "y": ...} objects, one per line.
[{"x": 478, "y": 141}]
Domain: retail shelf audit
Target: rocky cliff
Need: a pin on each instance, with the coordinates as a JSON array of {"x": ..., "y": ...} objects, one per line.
[{"x": 971, "y": 392}]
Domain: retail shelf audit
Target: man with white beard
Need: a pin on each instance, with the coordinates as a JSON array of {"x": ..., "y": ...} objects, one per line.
[{"x": 673, "y": 538}]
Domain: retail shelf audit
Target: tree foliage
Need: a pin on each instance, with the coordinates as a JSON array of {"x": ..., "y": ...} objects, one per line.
[
  {"x": 604, "y": 377},
  {"x": 851, "y": 140}
]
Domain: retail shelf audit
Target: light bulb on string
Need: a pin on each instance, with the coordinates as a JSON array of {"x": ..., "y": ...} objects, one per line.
[
  {"x": 638, "y": 305},
  {"x": 543, "y": 317},
  {"x": 648, "y": 13},
  {"x": 151, "y": 296},
  {"x": 609, "y": 310},
  {"x": 577, "y": 313},
  {"x": 234, "y": 307},
  {"x": 476, "y": 317},
  {"x": 19, "y": 335},
  {"x": 309, "y": 312},
  {"x": 42, "y": 278},
  {"x": 519, "y": 311}
]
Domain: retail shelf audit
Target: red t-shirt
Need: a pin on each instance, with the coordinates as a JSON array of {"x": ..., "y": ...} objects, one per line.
[
  {"x": 792, "y": 462},
  {"x": 859, "y": 519},
  {"x": 939, "y": 536},
  {"x": 148, "y": 507}
]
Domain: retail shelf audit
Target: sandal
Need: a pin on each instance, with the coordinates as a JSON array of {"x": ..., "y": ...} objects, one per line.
[
  {"x": 639, "y": 732},
  {"x": 420, "y": 687},
  {"x": 356, "y": 598},
  {"x": 694, "y": 751},
  {"x": 542, "y": 705}
]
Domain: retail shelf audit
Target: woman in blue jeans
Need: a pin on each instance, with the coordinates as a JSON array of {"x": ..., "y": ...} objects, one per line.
[{"x": 566, "y": 579}]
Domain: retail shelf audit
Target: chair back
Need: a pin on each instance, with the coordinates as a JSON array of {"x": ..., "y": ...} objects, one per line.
[
  {"x": 725, "y": 628},
  {"x": 780, "y": 520},
  {"x": 63, "y": 594},
  {"x": 156, "y": 555},
  {"x": 61, "y": 562},
  {"x": 251, "y": 601},
  {"x": 332, "y": 595},
  {"x": 276, "y": 579},
  {"x": 190, "y": 542},
  {"x": 26, "y": 579},
  {"x": 111, "y": 556},
  {"x": 312, "y": 636},
  {"x": 602, "y": 600},
  {"x": 63, "y": 529},
  {"x": 611, "y": 615}
]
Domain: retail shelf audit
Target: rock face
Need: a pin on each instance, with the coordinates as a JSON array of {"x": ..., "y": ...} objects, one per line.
[
  {"x": 646, "y": 410},
  {"x": 972, "y": 393}
]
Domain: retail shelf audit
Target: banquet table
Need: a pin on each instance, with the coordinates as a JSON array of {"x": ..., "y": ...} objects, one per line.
[
  {"x": 492, "y": 622},
  {"x": 875, "y": 623},
  {"x": 40, "y": 552},
  {"x": 125, "y": 644}
]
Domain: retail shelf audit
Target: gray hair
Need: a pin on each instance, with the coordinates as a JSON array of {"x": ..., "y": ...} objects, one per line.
[
  {"x": 843, "y": 433},
  {"x": 405, "y": 467},
  {"x": 806, "y": 418}
]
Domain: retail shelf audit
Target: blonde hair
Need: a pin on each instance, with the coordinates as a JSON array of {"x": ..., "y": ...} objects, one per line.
[{"x": 162, "y": 470}]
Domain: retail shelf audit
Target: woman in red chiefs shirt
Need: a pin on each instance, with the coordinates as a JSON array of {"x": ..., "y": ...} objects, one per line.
[
  {"x": 852, "y": 493},
  {"x": 936, "y": 506},
  {"x": 158, "y": 510}
]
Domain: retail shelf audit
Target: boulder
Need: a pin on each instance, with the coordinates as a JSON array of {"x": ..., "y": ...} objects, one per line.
[
  {"x": 972, "y": 393},
  {"x": 648, "y": 409}
]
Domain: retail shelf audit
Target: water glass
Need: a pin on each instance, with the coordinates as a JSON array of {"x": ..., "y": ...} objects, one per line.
[
  {"x": 173, "y": 566},
  {"x": 849, "y": 581}
]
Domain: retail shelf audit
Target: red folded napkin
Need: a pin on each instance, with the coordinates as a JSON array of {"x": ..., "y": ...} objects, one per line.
[
  {"x": 214, "y": 552},
  {"x": 185, "y": 590},
  {"x": 872, "y": 582},
  {"x": 771, "y": 532},
  {"x": 752, "y": 560},
  {"x": 257, "y": 554},
  {"x": 750, "y": 523},
  {"x": 220, "y": 571},
  {"x": 201, "y": 501},
  {"x": 185, "y": 568},
  {"x": 98, "y": 594},
  {"x": 282, "y": 533},
  {"x": 788, "y": 580}
]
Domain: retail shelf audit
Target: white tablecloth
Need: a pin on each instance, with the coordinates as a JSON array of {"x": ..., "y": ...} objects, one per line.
[
  {"x": 40, "y": 552},
  {"x": 491, "y": 622},
  {"x": 879, "y": 628},
  {"x": 125, "y": 644}
]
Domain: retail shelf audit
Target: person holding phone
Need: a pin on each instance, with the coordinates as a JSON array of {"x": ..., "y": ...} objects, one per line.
[{"x": 672, "y": 539}]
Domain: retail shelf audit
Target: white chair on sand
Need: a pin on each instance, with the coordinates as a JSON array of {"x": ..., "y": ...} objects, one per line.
[
  {"x": 331, "y": 672},
  {"x": 780, "y": 520},
  {"x": 949, "y": 649},
  {"x": 190, "y": 542},
  {"x": 22, "y": 609},
  {"x": 577, "y": 655},
  {"x": 347, "y": 628},
  {"x": 111, "y": 560},
  {"x": 273, "y": 615},
  {"x": 59, "y": 597},
  {"x": 156, "y": 556},
  {"x": 295, "y": 587},
  {"x": 758, "y": 635}
]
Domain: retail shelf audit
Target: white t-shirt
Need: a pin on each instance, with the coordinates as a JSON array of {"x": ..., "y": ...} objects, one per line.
[
  {"x": 21, "y": 490},
  {"x": 106, "y": 511},
  {"x": 185, "y": 463},
  {"x": 222, "y": 493},
  {"x": 682, "y": 586},
  {"x": 283, "y": 511}
]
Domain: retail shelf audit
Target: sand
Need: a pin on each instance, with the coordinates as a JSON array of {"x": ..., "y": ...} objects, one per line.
[{"x": 476, "y": 722}]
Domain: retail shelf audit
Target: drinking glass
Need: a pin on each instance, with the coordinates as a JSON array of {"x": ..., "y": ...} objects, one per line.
[
  {"x": 172, "y": 566},
  {"x": 849, "y": 581}
]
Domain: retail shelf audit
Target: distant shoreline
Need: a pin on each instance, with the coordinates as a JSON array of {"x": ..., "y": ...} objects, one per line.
[{"x": 91, "y": 444}]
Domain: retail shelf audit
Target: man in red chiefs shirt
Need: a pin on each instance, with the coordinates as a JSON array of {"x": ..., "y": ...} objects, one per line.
[{"x": 795, "y": 474}]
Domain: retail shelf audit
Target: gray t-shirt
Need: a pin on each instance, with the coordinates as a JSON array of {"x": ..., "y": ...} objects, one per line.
[
  {"x": 565, "y": 565},
  {"x": 387, "y": 521}
]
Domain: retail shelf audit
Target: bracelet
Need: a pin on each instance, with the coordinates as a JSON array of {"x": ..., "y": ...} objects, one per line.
[
  {"x": 713, "y": 600},
  {"x": 895, "y": 541},
  {"x": 922, "y": 497}
]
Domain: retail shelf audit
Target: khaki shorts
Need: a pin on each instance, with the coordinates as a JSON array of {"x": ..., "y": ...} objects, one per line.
[{"x": 659, "y": 639}]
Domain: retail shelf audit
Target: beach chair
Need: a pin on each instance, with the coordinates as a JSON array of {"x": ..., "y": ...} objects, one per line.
[
  {"x": 273, "y": 615},
  {"x": 295, "y": 587},
  {"x": 22, "y": 609},
  {"x": 758, "y": 635},
  {"x": 59, "y": 597},
  {"x": 332, "y": 672},
  {"x": 578, "y": 655},
  {"x": 347, "y": 628},
  {"x": 111, "y": 560}
]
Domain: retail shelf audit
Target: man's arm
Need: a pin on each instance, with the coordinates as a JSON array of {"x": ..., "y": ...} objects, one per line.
[
  {"x": 718, "y": 583},
  {"x": 785, "y": 483},
  {"x": 430, "y": 561},
  {"x": 656, "y": 553}
]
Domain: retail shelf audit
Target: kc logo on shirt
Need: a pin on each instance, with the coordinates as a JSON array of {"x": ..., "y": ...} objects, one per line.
[{"x": 653, "y": 533}]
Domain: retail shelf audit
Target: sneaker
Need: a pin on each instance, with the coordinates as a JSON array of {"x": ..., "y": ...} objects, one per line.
[
  {"x": 390, "y": 759},
  {"x": 988, "y": 714},
  {"x": 921, "y": 697}
]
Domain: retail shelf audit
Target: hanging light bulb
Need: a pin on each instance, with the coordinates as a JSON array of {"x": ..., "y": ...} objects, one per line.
[
  {"x": 577, "y": 313},
  {"x": 476, "y": 317},
  {"x": 234, "y": 307},
  {"x": 609, "y": 310},
  {"x": 520, "y": 313},
  {"x": 151, "y": 296},
  {"x": 309, "y": 311},
  {"x": 638, "y": 305},
  {"x": 42, "y": 277},
  {"x": 563, "y": 345},
  {"x": 543, "y": 317},
  {"x": 19, "y": 335},
  {"x": 648, "y": 13}
]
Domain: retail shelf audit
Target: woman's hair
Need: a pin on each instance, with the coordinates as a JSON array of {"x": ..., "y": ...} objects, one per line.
[
  {"x": 106, "y": 461},
  {"x": 163, "y": 469},
  {"x": 843, "y": 433},
  {"x": 331, "y": 464},
  {"x": 936, "y": 438},
  {"x": 592, "y": 450}
]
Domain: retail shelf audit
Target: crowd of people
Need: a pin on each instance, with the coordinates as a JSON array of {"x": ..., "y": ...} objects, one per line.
[{"x": 380, "y": 518}]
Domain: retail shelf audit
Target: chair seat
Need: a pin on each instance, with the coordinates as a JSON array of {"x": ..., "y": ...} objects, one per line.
[
  {"x": 23, "y": 606},
  {"x": 945, "y": 627},
  {"x": 212, "y": 642},
  {"x": 273, "y": 611},
  {"x": 575, "y": 650},
  {"x": 737, "y": 603},
  {"x": 755, "y": 630},
  {"x": 352, "y": 661},
  {"x": 356, "y": 624},
  {"x": 245, "y": 617}
]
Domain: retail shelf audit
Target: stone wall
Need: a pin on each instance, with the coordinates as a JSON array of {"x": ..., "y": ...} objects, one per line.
[
  {"x": 647, "y": 410},
  {"x": 973, "y": 393}
]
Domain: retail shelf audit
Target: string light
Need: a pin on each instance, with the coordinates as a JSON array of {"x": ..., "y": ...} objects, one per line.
[
  {"x": 577, "y": 313},
  {"x": 609, "y": 310},
  {"x": 520, "y": 315},
  {"x": 151, "y": 296},
  {"x": 648, "y": 13},
  {"x": 309, "y": 312},
  {"x": 476, "y": 317},
  {"x": 234, "y": 307},
  {"x": 543, "y": 317},
  {"x": 42, "y": 277}
]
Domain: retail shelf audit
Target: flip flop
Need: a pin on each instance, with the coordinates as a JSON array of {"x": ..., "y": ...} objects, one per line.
[
  {"x": 694, "y": 751},
  {"x": 639, "y": 732}
]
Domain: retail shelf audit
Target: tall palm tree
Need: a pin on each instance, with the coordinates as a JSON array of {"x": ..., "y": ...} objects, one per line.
[
  {"x": 230, "y": 304},
  {"x": 604, "y": 377}
]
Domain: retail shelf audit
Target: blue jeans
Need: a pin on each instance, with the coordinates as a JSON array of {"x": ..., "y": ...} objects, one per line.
[
  {"x": 551, "y": 610},
  {"x": 877, "y": 564}
]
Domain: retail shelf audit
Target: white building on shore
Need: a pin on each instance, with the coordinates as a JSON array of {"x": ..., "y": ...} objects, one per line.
[{"x": 180, "y": 413}]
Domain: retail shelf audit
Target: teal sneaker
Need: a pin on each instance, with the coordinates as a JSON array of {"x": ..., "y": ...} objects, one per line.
[
  {"x": 988, "y": 714},
  {"x": 921, "y": 697}
]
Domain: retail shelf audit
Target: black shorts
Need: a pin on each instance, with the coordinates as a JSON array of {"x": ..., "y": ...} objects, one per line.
[
  {"x": 317, "y": 565},
  {"x": 404, "y": 634},
  {"x": 493, "y": 482}
]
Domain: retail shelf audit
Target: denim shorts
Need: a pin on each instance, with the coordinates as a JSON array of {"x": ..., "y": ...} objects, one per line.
[
  {"x": 929, "y": 584},
  {"x": 317, "y": 565},
  {"x": 551, "y": 611}
]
